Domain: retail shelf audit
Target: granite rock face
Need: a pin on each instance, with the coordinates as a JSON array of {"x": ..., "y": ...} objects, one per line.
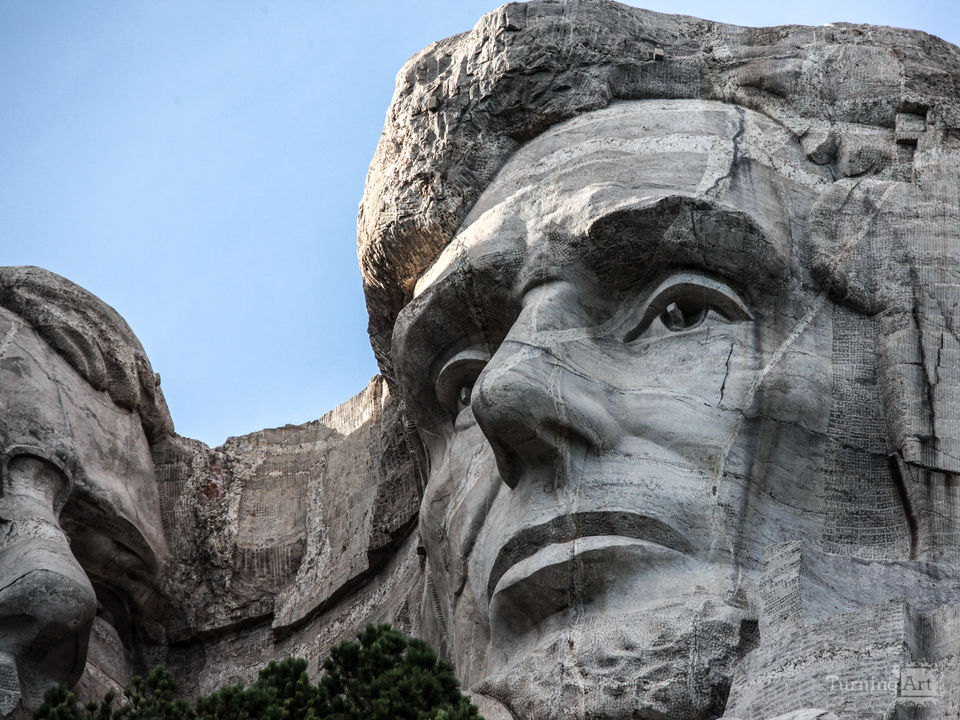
[
  {"x": 124, "y": 545},
  {"x": 669, "y": 421},
  {"x": 281, "y": 537},
  {"x": 663, "y": 296}
]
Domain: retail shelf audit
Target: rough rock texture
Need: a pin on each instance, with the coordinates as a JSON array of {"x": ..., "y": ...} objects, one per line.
[
  {"x": 123, "y": 545},
  {"x": 668, "y": 313},
  {"x": 659, "y": 295},
  {"x": 272, "y": 529},
  {"x": 897, "y": 620},
  {"x": 860, "y": 99},
  {"x": 235, "y": 653}
]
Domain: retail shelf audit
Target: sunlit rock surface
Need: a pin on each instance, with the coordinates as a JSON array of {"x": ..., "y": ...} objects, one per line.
[
  {"x": 662, "y": 296},
  {"x": 669, "y": 422}
]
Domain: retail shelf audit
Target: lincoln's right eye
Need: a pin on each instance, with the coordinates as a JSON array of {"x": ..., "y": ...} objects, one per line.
[
  {"x": 454, "y": 386},
  {"x": 685, "y": 301}
]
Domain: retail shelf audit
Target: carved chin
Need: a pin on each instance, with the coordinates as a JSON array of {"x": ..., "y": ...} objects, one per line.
[{"x": 675, "y": 662}]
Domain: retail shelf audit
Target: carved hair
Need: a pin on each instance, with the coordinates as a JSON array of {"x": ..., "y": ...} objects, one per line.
[
  {"x": 92, "y": 337},
  {"x": 862, "y": 100}
]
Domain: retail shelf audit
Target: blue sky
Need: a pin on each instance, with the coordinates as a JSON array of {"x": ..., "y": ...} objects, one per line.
[{"x": 197, "y": 164}]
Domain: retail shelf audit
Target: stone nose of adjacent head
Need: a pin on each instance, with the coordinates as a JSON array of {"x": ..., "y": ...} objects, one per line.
[
  {"x": 47, "y": 604},
  {"x": 45, "y": 618},
  {"x": 533, "y": 406}
]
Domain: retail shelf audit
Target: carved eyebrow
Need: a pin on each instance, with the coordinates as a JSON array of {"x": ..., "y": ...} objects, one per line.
[
  {"x": 468, "y": 304},
  {"x": 421, "y": 328},
  {"x": 683, "y": 230}
]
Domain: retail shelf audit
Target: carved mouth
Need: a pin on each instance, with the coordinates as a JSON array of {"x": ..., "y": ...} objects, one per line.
[{"x": 565, "y": 528}]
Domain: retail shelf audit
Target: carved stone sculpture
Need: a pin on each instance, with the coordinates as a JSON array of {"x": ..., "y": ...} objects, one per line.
[
  {"x": 123, "y": 545},
  {"x": 669, "y": 421},
  {"x": 669, "y": 301},
  {"x": 79, "y": 408}
]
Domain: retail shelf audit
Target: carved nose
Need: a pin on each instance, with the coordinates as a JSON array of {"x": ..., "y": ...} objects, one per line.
[
  {"x": 47, "y": 607},
  {"x": 45, "y": 620},
  {"x": 47, "y": 604},
  {"x": 533, "y": 409}
]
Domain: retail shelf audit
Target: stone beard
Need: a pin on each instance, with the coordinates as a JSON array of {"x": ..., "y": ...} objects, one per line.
[{"x": 620, "y": 368}]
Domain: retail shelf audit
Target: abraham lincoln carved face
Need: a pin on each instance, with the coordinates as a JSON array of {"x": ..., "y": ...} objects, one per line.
[
  {"x": 661, "y": 295},
  {"x": 620, "y": 370}
]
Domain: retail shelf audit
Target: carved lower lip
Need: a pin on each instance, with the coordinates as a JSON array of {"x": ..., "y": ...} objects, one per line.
[{"x": 566, "y": 528}]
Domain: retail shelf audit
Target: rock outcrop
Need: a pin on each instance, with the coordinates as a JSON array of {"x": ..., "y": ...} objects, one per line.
[
  {"x": 280, "y": 536},
  {"x": 669, "y": 424}
]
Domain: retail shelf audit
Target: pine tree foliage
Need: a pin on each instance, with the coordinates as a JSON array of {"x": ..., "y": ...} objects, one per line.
[
  {"x": 383, "y": 676},
  {"x": 387, "y": 676}
]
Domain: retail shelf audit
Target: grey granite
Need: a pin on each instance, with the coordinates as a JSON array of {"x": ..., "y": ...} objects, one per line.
[{"x": 669, "y": 422}]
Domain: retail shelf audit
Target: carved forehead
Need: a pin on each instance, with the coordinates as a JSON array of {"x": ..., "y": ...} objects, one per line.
[
  {"x": 636, "y": 158},
  {"x": 45, "y": 403},
  {"x": 92, "y": 337},
  {"x": 678, "y": 145},
  {"x": 30, "y": 410}
]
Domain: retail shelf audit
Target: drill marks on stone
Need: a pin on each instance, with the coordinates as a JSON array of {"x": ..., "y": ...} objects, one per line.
[
  {"x": 865, "y": 515},
  {"x": 268, "y": 567},
  {"x": 437, "y": 607},
  {"x": 722, "y": 532},
  {"x": 852, "y": 244},
  {"x": 273, "y": 504},
  {"x": 936, "y": 301},
  {"x": 9, "y": 684}
]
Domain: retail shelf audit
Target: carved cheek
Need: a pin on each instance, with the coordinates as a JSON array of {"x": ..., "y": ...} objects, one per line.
[
  {"x": 683, "y": 392},
  {"x": 460, "y": 491},
  {"x": 450, "y": 480}
]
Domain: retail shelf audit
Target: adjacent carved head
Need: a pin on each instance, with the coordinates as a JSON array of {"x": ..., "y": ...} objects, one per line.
[
  {"x": 80, "y": 534},
  {"x": 660, "y": 294}
]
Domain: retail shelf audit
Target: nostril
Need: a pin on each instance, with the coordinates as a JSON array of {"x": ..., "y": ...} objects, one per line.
[
  {"x": 508, "y": 463},
  {"x": 45, "y": 618}
]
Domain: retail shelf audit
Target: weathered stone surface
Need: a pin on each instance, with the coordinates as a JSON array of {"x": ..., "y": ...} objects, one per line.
[
  {"x": 123, "y": 545},
  {"x": 80, "y": 532},
  {"x": 667, "y": 310},
  {"x": 464, "y": 105},
  {"x": 844, "y": 633},
  {"x": 660, "y": 295},
  {"x": 235, "y": 653},
  {"x": 92, "y": 338},
  {"x": 274, "y": 526}
]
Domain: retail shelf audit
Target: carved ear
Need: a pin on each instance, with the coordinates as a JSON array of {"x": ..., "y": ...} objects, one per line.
[{"x": 28, "y": 467}]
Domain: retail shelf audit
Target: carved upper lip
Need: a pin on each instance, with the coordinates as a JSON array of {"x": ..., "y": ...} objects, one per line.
[{"x": 579, "y": 525}]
